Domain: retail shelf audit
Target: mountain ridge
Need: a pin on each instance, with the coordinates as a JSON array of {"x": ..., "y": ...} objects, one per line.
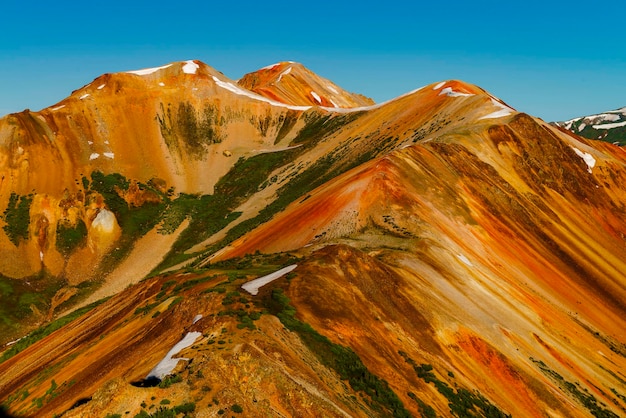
[{"x": 446, "y": 254}]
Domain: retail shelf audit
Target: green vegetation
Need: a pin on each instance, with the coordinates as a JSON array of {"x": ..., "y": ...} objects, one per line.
[
  {"x": 462, "y": 402},
  {"x": 236, "y": 409},
  {"x": 46, "y": 330},
  {"x": 169, "y": 380},
  {"x": 426, "y": 410},
  {"x": 185, "y": 409},
  {"x": 582, "y": 395},
  {"x": 339, "y": 358},
  {"x": 70, "y": 237},
  {"x": 191, "y": 129},
  {"x": 17, "y": 217}
]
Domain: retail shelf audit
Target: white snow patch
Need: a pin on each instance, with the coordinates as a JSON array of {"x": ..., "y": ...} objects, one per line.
[
  {"x": 610, "y": 125},
  {"x": 582, "y": 126},
  {"x": 334, "y": 104},
  {"x": 438, "y": 86},
  {"x": 84, "y": 96},
  {"x": 100, "y": 87},
  {"x": 147, "y": 71},
  {"x": 504, "y": 110},
  {"x": 169, "y": 362},
  {"x": 190, "y": 67},
  {"x": 588, "y": 158},
  {"x": 287, "y": 71},
  {"x": 465, "y": 260},
  {"x": 242, "y": 92},
  {"x": 253, "y": 286},
  {"x": 105, "y": 220},
  {"x": 90, "y": 142},
  {"x": 331, "y": 88},
  {"x": 197, "y": 318},
  {"x": 109, "y": 155},
  {"x": 41, "y": 255},
  {"x": 316, "y": 96},
  {"x": 162, "y": 84},
  {"x": 13, "y": 342},
  {"x": 106, "y": 141},
  {"x": 606, "y": 117},
  {"x": 94, "y": 155},
  {"x": 451, "y": 93},
  {"x": 269, "y": 67},
  {"x": 58, "y": 107}
]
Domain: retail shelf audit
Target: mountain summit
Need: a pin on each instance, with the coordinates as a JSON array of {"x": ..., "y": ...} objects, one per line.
[
  {"x": 292, "y": 83},
  {"x": 176, "y": 242}
]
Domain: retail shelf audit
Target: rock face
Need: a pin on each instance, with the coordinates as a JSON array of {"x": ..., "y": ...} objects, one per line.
[{"x": 444, "y": 254}]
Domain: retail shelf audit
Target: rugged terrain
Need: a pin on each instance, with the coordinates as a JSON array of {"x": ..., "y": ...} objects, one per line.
[
  {"x": 440, "y": 254},
  {"x": 608, "y": 126}
]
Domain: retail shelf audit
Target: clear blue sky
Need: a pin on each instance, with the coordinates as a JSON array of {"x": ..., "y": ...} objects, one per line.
[{"x": 552, "y": 59}]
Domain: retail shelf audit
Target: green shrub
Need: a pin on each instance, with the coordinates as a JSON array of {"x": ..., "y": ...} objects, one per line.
[
  {"x": 69, "y": 237},
  {"x": 17, "y": 217}
]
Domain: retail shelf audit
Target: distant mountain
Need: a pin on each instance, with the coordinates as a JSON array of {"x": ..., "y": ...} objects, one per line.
[
  {"x": 608, "y": 126},
  {"x": 176, "y": 243}
]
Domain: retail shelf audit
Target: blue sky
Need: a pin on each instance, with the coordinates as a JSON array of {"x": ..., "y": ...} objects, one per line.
[{"x": 551, "y": 59}]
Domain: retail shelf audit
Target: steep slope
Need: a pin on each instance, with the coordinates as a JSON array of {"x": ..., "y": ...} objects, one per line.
[
  {"x": 291, "y": 83},
  {"x": 437, "y": 255},
  {"x": 608, "y": 126}
]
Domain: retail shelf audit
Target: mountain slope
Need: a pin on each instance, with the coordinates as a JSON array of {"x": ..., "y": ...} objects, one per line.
[
  {"x": 608, "y": 126},
  {"x": 292, "y": 83},
  {"x": 437, "y": 254}
]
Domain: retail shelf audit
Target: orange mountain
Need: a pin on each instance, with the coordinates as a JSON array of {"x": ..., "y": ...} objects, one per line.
[{"x": 440, "y": 254}]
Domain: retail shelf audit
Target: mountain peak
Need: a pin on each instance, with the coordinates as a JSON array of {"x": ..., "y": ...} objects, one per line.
[{"x": 292, "y": 83}]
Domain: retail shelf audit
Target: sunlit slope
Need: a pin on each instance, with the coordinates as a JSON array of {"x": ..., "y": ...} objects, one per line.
[
  {"x": 447, "y": 255},
  {"x": 291, "y": 83}
]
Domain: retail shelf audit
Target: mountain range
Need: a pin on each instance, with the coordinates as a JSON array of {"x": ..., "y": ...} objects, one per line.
[
  {"x": 179, "y": 243},
  {"x": 608, "y": 126}
]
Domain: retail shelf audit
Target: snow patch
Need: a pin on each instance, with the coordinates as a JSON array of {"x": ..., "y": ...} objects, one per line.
[
  {"x": 94, "y": 155},
  {"x": 331, "y": 88},
  {"x": 287, "y": 71},
  {"x": 196, "y": 318},
  {"x": 438, "y": 86},
  {"x": 582, "y": 126},
  {"x": 504, "y": 110},
  {"x": 269, "y": 67},
  {"x": 588, "y": 158},
  {"x": 190, "y": 67},
  {"x": 105, "y": 220},
  {"x": 169, "y": 362},
  {"x": 316, "y": 96},
  {"x": 610, "y": 125},
  {"x": 162, "y": 84},
  {"x": 147, "y": 71},
  {"x": 253, "y": 286},
  {"x": 242, "y": 92},
  {"x": 451, "y": 93},
  {"x": 100, "y": 87},
  {"x": 58, "y": 107},
  {"x": 109, "y": 155},
  {"x": 334, "y": 104},
  {"x": 84, "y": 96},
  {"x": 465, "y": 260},
  {"x": 41, "y": 255},
  {"x": 606, "y": 117}
]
